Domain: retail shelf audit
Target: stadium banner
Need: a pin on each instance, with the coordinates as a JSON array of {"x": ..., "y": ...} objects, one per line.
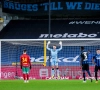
[
  {"x": 40, "y": 72},
  {"x": 57, "y": 7}
]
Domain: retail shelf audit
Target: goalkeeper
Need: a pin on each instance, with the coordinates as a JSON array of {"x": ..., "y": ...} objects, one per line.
[{"x": 54, "y": 60}]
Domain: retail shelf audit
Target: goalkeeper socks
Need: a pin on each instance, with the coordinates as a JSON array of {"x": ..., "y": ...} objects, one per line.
[
  {"x": 57, "y": 71},
  {"x": 84, "y": 75},
  {"x": 89, "y": 73},
  {"x": 24, "y": 77},
  {"x": 96, "y": 76},
  {"x": 27, "y": 76},
  {"x": 52, "y": 73}
]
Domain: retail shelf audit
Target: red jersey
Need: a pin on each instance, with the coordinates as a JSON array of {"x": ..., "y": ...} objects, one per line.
[{"x": 25, "y": 60}]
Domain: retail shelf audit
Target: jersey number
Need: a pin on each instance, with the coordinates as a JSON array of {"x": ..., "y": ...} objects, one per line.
[
  {"x": 24, "y": 60},
  {"x": 85, "y": 55}
]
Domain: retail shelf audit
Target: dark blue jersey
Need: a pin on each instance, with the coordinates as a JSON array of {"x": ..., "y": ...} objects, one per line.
[
  {"x": 97, "y": 59},
  {"x": 84, "y": 57},
  {"x": 90, "y": 56}
]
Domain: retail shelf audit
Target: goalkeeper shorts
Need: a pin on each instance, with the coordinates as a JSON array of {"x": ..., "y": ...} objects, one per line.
[{"x": 54, "y": 62}]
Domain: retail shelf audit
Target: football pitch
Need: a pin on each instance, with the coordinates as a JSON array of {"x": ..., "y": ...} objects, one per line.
[{"x": 49, "y": 85}]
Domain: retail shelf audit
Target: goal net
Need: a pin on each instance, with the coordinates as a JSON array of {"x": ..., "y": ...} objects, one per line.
[{"x": 68, "y": 57}]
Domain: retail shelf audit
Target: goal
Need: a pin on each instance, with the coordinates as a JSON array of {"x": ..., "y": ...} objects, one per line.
[{"x": 68, "y": 57}]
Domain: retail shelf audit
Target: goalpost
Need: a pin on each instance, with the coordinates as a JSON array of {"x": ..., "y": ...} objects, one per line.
[{"x": 68, "y": 57}]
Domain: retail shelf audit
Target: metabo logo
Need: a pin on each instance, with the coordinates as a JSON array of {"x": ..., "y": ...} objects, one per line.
[
  {"x": 84, "y": 22},
  {"x": 67, "y": 35}
]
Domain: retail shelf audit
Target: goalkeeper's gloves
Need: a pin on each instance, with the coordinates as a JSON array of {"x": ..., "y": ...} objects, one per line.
[
  {"x": 48, "y": 42},
  {"x": 60, "y": 43}
]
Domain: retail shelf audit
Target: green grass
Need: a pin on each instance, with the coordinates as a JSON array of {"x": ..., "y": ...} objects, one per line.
[{"x": 48, "y": 85}]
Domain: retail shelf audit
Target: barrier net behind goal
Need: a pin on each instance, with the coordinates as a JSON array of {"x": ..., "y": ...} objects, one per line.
[{"x": 68, "y": 57}]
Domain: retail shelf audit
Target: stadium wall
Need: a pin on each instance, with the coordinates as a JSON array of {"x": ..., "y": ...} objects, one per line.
[{"x": 41, "y": 72}]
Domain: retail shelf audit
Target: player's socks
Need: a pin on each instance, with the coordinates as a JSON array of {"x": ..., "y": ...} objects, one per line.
[
  {"x": 96, "y": 76},
  {"x": 84, "y": 76},
  {"x": 58, "y": 76},
  {"x": 24, "y": 77},
  {"x": 27, "y": 76},
  {"x": 52, "y": 73},
  {"x": 89, "y": 75},
  {"x": 91, "y": 79},
  {"x": 57, "y": 71}
]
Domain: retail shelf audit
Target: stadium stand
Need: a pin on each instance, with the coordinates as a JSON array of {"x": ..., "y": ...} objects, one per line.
[{"x": 34, "y": 28}]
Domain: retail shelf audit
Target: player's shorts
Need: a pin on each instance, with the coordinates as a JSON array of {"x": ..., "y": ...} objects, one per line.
[
  {"x": 97, "y": 68},
  {"x": 25, "y": 70},
  {"x": 85, "y": 67},
  {"x": 54, "y": 62}
]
